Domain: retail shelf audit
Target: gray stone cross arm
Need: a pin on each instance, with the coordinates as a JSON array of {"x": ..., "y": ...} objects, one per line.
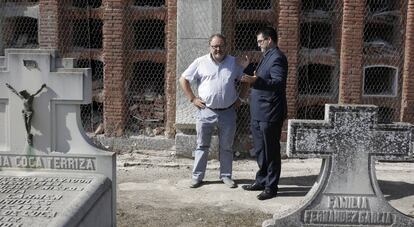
[
  {"x": 308, "y": 139},
  {"x": 349, "y": 129},
  {"x": 4, "y": 135},
  {"x": 3, "y": 79},
  {"x": 393, "y": 141}
]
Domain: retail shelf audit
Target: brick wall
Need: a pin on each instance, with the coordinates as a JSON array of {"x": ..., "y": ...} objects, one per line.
[
  {"x": 113, "y": 56},
  {"x": 288, "y": 31},
  {"x": 350, "y": 84},
  {"x": 407, "y": 101},
  {"x": 50, "y": 11},
  {"x": 170, "y": 83},
  {"x": 55, "y": 32}
]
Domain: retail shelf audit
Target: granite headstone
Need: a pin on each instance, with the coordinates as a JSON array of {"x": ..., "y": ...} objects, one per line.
[
  {"x": 346, "y": 192},
  {"x": 58, "y": 178}
]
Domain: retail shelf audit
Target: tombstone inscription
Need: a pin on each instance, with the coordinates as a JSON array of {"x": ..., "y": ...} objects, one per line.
[
  {"x": 346, "y": 192},
  {"x": 60, "y": 179}
]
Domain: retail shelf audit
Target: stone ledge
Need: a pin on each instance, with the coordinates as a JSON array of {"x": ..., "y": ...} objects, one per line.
[
  {"x": 186, "y": 144},
  {"x": 135, "y": 143}
]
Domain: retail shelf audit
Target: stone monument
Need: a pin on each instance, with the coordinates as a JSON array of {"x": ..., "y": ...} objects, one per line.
[
  {"x": 51, "y": 175},
  {"x": 194, "y": 27},
  {"x": 346, "y": 192}
]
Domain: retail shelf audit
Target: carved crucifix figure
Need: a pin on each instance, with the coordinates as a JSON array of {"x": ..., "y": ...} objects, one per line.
[{"x": 27, "y": 109}]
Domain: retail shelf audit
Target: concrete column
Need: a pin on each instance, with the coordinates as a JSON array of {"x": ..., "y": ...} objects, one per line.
[
  {"x": 407, "y": 101},
  {"x": 197, "y": 20},
  {"x": 114, "y": 97},
  {"x": 350, "y": 82}
]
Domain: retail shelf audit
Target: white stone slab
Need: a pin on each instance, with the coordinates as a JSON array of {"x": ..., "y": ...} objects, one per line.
[
  {"x": 49, "y": 199},
  {"x": 60, "y": 145}
]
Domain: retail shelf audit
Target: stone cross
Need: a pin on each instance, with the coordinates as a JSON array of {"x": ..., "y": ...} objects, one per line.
[
  {"x": 65, "y": 90},
  {"x": 62, "y": 179},
  {"x": 346, "y": 193}
]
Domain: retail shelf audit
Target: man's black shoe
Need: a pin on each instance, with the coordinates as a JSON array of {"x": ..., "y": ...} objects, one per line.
[
  {"x": 253, "y": 187},
  {"x": 267, "y": 194}
]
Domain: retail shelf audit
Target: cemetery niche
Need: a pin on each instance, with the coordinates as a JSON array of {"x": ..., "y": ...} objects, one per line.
[
  {"x": 346, "y": 192},
  {"x": 51, "y": 174}
]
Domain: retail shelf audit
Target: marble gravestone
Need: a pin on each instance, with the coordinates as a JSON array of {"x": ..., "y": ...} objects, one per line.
[
  {"x": 346, "y": 192},
  {"x": 56, "y": 178}
]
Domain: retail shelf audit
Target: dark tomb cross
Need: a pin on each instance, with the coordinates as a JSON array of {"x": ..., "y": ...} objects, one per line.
[
  {"x": 27, "y": 109},
  {"x": 347, "y": 193}
]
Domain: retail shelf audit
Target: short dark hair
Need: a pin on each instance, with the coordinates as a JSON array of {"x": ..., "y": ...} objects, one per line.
[
  {"x": 217, "y": 35},
  {"x": 268, "y": 32}
]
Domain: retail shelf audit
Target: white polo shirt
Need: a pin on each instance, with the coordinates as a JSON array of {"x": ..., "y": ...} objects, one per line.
[{"x": 216, "y": 83}]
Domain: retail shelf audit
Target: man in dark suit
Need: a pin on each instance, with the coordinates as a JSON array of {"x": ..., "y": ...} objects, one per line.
[{"x": 268, "y": 110}]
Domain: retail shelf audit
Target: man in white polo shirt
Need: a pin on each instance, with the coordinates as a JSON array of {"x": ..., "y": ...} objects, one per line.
[{"x": 216, "y": 75}]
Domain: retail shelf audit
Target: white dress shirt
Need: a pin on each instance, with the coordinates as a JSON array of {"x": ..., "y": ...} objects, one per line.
[{"x": 216, "y": 83}]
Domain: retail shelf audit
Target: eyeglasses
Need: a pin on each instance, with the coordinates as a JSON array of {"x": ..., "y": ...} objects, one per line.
[
  {"x": 217, "y": 46},
  {"x": 260, "y": 41}
]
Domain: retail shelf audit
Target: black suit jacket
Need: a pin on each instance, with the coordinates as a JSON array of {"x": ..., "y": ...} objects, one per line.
[{"x": 268, "y": 94}]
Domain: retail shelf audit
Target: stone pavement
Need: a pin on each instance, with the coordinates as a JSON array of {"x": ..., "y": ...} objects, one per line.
[{"x": 155, "y": 183}]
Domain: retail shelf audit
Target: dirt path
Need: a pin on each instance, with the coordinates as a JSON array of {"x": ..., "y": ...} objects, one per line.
[{"x": 153, "y": 191}]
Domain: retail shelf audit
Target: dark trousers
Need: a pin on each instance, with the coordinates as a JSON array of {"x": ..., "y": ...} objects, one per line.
[{"x": 266, "y": 136}]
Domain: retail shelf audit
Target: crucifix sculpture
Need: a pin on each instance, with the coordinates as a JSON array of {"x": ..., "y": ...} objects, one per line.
[{"x": 27, "y": 109}]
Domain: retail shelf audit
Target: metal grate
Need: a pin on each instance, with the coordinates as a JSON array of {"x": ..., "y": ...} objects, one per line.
[
  {"x": 20, "y": 32},
  {"x": 380, "y": 81},
  {"x": 318, "y": 69},
  {"x": 149, "y": 3},
  {"x": 86, "y": 4},
  {"x": 144, "y": 63},
  {"x": 87, "y": 33},
  {"x": 245, "y": 35},
  {"x": 146, "y": 98},
  {"x": 316, "y": 79},
  {"x": 316, "y": 35},
  {"x": 318, "y": 5},
  {"x": 92, "y": 114},
  {"x": 383, "y": 50},
  {"x": 149, "y": 34},
  {"x": 315, "y": 112},
  {"x": 254, "y": 5}
]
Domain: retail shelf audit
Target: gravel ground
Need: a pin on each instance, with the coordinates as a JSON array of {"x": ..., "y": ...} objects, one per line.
[{"x": 153, "y": 191}]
